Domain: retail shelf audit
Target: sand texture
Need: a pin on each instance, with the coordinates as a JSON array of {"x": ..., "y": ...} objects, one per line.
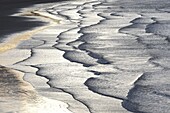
[{"x": 95, "y": 56}]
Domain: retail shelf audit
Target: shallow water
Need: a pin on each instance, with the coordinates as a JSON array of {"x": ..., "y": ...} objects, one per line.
[{"x": 109, "y": 56}]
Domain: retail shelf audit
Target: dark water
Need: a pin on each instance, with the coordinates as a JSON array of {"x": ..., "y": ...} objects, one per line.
[
  {"x": 12, "y": 24},
  {"x": 116, "y": 54}
]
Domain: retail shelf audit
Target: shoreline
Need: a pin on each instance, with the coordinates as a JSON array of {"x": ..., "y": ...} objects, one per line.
[
  {"x": 29, "y": 100},
  {"x": 21, "y": 96},
  {"x": 102, "y": 57},
  {"x": 40, "y": 56},
  {"x": 9, "y": 23},
  {"x": 14, "y": 39}
]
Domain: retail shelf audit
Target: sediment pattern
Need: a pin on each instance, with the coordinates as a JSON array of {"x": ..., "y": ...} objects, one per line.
[{"x": 104, "y": 56}]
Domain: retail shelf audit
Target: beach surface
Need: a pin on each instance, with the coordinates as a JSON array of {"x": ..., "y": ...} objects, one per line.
[{"x": 88, "y": 56}]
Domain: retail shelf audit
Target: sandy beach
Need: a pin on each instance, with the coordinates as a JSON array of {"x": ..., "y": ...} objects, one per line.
[{"x": 85, "y": 56}]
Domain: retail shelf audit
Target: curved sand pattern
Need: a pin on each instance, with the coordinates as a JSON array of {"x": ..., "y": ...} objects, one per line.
[
  {"x": 19, "y": 96},
  {"x": 104, "y": 57},
  {"x": 16, "y": 93},
  {"x": 15, "y": 39}
]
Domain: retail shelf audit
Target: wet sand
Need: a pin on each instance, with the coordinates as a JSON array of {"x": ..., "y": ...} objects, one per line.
[
  {"x": 13, "y": 24},
  {"x": 17, "y": 95},
  {"x": 103, "y": 57}
]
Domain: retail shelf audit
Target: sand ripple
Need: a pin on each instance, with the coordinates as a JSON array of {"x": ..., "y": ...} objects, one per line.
[{"x": 104, "y": 56}]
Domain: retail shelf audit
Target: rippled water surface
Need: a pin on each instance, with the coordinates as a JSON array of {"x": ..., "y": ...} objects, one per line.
[{"x": 105, "y": 56}]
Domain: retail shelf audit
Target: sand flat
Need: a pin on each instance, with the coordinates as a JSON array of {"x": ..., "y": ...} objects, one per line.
[{"x": 104, "y": 56}]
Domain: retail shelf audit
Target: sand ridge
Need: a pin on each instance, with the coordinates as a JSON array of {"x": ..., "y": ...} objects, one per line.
[
  {"x": 16, "y": 38},
  {"x": 21, "y": 93},
  {"x": 105, "y": 56}
]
